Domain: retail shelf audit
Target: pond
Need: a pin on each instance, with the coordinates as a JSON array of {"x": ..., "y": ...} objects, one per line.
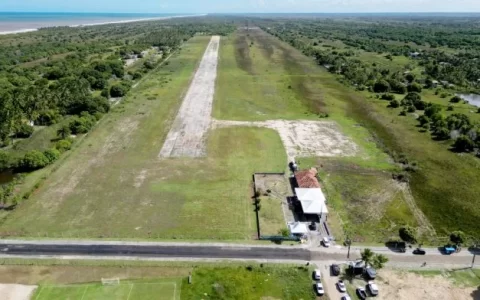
[{"x": 472, "y": 99}]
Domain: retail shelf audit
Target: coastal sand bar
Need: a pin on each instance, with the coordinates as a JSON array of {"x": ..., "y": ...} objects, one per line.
[{"x": 187, "y": 135}]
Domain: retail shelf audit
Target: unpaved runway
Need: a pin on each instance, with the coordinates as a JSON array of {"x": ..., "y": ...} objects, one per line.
[
  {"x": 305, "y": 138},
  {"x": 16, "y": 291},
  {"x": 187, "y": 136}
]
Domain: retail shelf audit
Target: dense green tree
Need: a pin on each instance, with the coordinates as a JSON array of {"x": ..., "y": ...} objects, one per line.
[
  {"x": 33, "y": 160},
  {"x": 117, "y": 91},
  {"x": 458, "y": 237},
  {"x": 381, "y": 86},
  {"x": 464, "y": 144},
  {"x": 408, "y": 234}
]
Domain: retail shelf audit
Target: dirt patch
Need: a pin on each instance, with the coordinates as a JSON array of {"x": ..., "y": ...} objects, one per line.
[
  {"x": 16, "y": 291},
  {"x": 305, "y": 138},
  {"x": 187, "y": 136},
  {"x": 406, "y": 285}
]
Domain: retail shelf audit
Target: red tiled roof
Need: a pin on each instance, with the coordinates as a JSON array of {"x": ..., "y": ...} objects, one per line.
[{"x": 306, "y": 179}]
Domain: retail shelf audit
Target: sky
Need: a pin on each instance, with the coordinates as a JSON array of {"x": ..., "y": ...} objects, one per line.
[{"x": 240, "y": 6}]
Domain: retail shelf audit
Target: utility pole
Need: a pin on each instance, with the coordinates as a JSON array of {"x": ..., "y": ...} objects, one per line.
[{"x": 474, "y": 255}]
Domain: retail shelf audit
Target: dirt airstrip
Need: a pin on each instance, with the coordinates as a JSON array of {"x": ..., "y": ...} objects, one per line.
[
  {"x": 16, "y": 291},
  {"x": 187, "y": 136}
]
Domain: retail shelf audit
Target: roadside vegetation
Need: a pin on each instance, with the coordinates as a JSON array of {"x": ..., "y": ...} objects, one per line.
[{"x": 400, "y": 81}]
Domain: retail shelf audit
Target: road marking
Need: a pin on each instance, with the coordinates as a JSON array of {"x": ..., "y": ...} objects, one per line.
[{"x": 131, "y": 288}]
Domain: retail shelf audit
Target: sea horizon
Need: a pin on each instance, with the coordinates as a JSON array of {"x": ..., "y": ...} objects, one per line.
[{"x": 19, "y": 22}]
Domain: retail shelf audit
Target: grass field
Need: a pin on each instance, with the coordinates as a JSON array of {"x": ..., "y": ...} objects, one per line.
[
  {"x": 134, "y": 290},
  {"x": 175, "y": 198}
]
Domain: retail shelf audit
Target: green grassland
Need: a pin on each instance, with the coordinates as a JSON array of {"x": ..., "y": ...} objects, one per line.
[
  {"x": 114, "y": 186},
  {"x": 74, "y": 279}
]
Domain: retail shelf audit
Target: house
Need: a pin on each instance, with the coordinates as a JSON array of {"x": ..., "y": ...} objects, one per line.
[
  {"x": 312, "y": 201},
  {"x": 307, "y": 179},
  {"x": 297, "y": 228}
]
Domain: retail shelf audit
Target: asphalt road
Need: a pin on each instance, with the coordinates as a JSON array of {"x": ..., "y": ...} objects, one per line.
[{"x": 157, "y": 251}]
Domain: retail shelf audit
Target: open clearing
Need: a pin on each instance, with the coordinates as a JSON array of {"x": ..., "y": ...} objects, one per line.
[
  {"x": 305, "y": 138},
  {"x": 16, "y": 291},
  {"x": 407, "y": 285},
  {"x": 188, "y": 132}
]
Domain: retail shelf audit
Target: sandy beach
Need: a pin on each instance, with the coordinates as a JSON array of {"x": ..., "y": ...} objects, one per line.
[{"x": 36, "y": 26}]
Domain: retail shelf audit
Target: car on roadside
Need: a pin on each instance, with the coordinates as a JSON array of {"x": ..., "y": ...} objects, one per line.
[
  {"x": 419, "y": 251},
  {"x": 335, "y": 269},
  {"x": 372, "y": 288},
  {"x": 370, "y": 273},
  {"x": 317, "y": 275},
  {"x": 341, "y": 286},
  {"x": 346, "y": 297},
  {"x": 319, "y": 289},
  {"x": 361, "y": 293},
  {"x": 326, "y": 242}
]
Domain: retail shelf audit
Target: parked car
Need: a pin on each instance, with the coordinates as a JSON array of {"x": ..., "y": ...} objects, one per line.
[
  {"x": 335, "y": 270},
  {"x": 316, "y": 274},
  {"x": 326, "y": 242},
  {"x": 361, "y": 293},
  {"x": 319, "y": 289},
  {"x": 371, "y": 273},
  {"x": 419, "y": 251},
  {"x": 346, "y": 297},
  {"x": 341, "y": 286},
  {"x": 449, "y": 249},
  {"x": 372, "y": 288}
]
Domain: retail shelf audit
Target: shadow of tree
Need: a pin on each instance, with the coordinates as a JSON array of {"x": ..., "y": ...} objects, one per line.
[{"x": 476, "y": 294}]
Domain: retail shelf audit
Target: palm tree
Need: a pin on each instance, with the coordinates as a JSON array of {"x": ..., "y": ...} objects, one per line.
[
  {"x": 367, "y": 256},
  {"x": 379, "y": 261},
  {"x": 64, "y": 131}
]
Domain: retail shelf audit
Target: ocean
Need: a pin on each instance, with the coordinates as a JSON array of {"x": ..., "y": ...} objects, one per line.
[{"x": 15, "y": 22}]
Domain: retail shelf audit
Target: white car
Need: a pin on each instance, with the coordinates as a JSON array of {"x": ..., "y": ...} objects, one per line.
[
  {"x": 319, "y": 289},
  {"x": 316, "y": 274},
  {"x": 372, "y": 288},
  {"x": 341, "y": 286},
  {"x": 326, "y": 242}
]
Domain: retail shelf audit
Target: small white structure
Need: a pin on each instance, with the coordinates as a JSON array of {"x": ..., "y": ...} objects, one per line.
[
  {"x": 297, "y": 228},
  {"x": 312, "y": 200}
]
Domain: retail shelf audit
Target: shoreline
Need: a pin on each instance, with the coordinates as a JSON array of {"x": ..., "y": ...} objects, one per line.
[{"x": 98, "y": 24}]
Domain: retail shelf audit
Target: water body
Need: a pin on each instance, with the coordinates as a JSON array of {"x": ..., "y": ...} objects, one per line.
[
  {"x": 14, "y": 22},
  {"x": 472, "y": 99}
]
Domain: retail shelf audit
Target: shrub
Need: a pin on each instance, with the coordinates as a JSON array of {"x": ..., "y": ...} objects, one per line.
[
  {"x": 411, "y": 109},
  {"x": 48, "y": 117},
  {"x": 118, "y": 90},
  {"x": 450, "y": 108},
  {"x": 456, "y": 99},
  {"x": 381, "y": 86},
  {"x": 408, "y": 234},
  {"x": 6, "y": 160},
  {"x": 82, "y": 124},
  {"x": 24, "y": 131},
  {"x": 457, "y": 237},
  {"x": 464, "y": 144},
  {"x": 63, "y": 145},
  {"x": 394, "y": 104},
  {"x": 388, "y": 97},
  {"x": 137, "y": 75},
  {"x": 34, "y": 160},
  {"x": 414, "y": 87},
  {"x": 52, "y": 155}
]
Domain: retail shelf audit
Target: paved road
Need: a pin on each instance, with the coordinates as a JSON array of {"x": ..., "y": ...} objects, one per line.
[{"x": 156, "y": 251}]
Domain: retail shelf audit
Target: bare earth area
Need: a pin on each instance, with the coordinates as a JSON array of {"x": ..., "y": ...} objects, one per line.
[
  {"x": 305, "y": 138},
  {"x": 187, "y": 136},
  {"x": 406, "y": 286},
  {"x": 16, "y": 291}
]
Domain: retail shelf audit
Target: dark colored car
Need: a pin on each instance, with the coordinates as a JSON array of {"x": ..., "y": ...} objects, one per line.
[
  {"x": 371, "y": 273},
  {"x": 361, "y": 293},
  {"x": 419, "y": 251},
  {"x": 335, "y": 270}
]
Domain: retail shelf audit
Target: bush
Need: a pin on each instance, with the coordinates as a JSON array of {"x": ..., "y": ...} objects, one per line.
[
  {"x": 6, "y": 160},
  {"x": 48, "y": 117},
  {"x": 388, "y": 97},
  {"x": 137, "y": 75},
  {"x": 63, "y": 145},
  {"x": 33, "y": 160},
  {"x": 52, "y": 155},
  {"x": 464, "y": 144},
  {"x": 450, "y": 108},
  {"x": 118, "y": 90},
  {"x": 24, "y": 131},
  {"x": 414, "y": 87},
  {"x": 457, "y": 237},
  {"x": 411, "y": 109},
  {"x": 456, "y": 99},
  {"x": 408, "y": 234},
  {"x": 394, "y": 104},
  {"x": 82, "y": 124},
  {"x": 381, "y": 86}
]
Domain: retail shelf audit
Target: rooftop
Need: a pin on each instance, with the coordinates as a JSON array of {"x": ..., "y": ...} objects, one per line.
[{"x": 307, "y": 179}]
